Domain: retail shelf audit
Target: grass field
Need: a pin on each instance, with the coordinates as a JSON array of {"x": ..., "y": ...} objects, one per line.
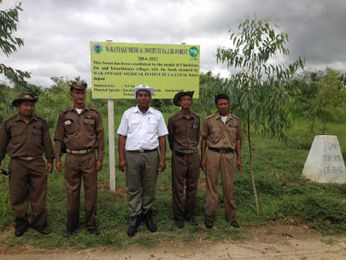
[{"x": 283, "y": 196}]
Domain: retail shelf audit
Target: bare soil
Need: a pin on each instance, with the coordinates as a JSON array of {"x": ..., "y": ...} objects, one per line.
[{"x": 266, "y": 242}]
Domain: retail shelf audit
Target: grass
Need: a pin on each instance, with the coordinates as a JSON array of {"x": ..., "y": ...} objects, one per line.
[{"x": 283, "y": 195}]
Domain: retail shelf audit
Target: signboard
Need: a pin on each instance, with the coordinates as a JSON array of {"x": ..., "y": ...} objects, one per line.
[{"x": 117, "y": 68}]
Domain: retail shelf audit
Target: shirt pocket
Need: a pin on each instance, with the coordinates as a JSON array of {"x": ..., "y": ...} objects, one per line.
[
  {"x": 151, "y": 126},
  {"x": 133, "y": 125},
  {"x": 89, "y": 124},
  {"x": 17, "y": 136},
  {"x": 69, "y": 126},
  {"x": 215, "y": 135},
  {"x": 37, "y": 135}
]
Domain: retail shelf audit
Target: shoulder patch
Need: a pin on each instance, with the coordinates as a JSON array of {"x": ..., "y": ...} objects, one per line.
[
  {"x": 210, "y": 117},
  {"x": 94, "y": 109},
  {"x": 40, "y": 117},
  {"x": 195, "y": 115},
  {"x": 9, "y": 118}
]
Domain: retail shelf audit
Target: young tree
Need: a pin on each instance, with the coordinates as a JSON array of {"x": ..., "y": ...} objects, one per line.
[
  {"x": 261, "y": 91},
  {"x": 9, "y": 43}
]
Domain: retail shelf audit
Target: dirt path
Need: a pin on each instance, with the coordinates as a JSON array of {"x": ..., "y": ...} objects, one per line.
[{"x": 279, "y": 242}]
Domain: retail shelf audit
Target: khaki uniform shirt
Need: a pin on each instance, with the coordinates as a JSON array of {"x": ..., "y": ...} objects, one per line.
[
  {"x": 183, "y": 133},
  {"x": 20, "y": 139},
  {"x": 80, "y": 131},
  {"x": 222, "y": 135}
]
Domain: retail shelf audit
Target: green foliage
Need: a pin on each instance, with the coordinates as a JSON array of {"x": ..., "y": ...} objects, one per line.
[
  {"x": 261, "y": 90},
  {"x": 9, "y": 43}
]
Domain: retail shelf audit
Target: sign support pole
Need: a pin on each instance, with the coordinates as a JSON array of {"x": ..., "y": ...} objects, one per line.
[{"x": 111, "y": 142}]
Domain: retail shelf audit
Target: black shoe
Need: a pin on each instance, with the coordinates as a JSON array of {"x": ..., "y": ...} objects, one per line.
[
  {"x": 43, "y": 230},
  {"x": 134, "y": 224},
  {"x": 68, "y": 233},
  {"x": 149, "y": 222},
  {"x": 19, "y": 232},
  {"x": 180, "y": 223},
  {"x": 208, "y": 223},
  {"x": 234, "y": 224},
  {"x": 192, "y": 221},
  {"x": 93, "y": 231}
]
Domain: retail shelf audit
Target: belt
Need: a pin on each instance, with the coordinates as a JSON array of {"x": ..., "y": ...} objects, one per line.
[
  {"x": 142, "y": 151},
  {"x": 221, "y": 150},
  {"x": 79, "y": 151},
  {"x": 29, "y": 158},
  {"x": 185, "y": 151}
]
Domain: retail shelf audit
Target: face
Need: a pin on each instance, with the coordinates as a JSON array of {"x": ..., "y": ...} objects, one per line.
[
  {"x": 143, "y": 98},
  {"x": 222, "y": 107},
  {"x": 78, "y": 96},
  {"x": 26, "y": 108},
  {"x": 185, "y": 102}
]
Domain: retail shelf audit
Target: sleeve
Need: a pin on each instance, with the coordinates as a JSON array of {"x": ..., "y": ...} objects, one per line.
[
  {"x": 100, "y": 138},
  {"x": 59, "y": 138},
  {"x": 240, "y": 133},
  {"x": 47, "y": 143},
  {"x": 4, "y": 139},
  {"x": 205, "y": 129},
  {"x": 123, "y": 129},
  {"x": 162, "y": 128},
  {"x": 170, "y": 133}
]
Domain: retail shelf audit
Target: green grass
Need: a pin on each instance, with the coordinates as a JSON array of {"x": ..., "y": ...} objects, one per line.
[{"x": 283, "y": 195}]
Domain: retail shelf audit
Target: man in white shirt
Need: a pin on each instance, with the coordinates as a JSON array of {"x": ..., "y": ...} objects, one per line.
[{"x": 142, "y": 130}]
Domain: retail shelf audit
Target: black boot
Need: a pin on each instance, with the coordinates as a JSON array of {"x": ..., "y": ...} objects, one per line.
[
  {"x": 134, "y": 224},
  {"x": 149, "y": 222}
]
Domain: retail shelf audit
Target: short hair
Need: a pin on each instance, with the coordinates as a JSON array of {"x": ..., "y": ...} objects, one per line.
[{"x": 221, "y": 96}]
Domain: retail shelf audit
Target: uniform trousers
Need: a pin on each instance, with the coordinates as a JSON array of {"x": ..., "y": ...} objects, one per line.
[
  {"x": 78, "y": 167},
  {"x": 185, "y": 173},
  {"x": 223, "y": 162},
  {"x": 141, "y": 179},
  {"x": 28, "y": 183}
]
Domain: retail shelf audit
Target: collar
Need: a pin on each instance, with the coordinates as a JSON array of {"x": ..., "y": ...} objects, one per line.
[
  {"x": 181, "y": 115},
  {"x": 136, "y": 110},
  {"x": 18, "y": 118},
  {"x": 218, "y": 116}
]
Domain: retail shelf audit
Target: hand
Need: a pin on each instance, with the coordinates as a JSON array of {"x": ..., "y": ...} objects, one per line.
[
  {"x": 99, "y": 166},
  {"x": 162, "y": 165},
  {"x": 59, "y": 166},
  {"x": 239, "y": 165},
  {"x": 122, "y": 165},
  {"x": 203, "y": 165},
  {"x": 49, "y": 167}
]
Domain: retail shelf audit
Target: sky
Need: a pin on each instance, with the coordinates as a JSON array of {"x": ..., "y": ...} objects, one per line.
[{"x": 57, "y": 33}]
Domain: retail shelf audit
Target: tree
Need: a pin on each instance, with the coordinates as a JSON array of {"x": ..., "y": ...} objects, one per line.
[
  {"x": 261, "y": 90},
  {"x": 9, "y": 43},
  {"x": 330, "y": 97}
]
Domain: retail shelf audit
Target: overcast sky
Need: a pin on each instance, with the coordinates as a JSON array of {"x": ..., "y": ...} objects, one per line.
[{"x": 57, "y": 33}]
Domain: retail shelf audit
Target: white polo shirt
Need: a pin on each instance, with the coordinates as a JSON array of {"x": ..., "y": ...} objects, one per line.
[{"x": 142, "y": 130}]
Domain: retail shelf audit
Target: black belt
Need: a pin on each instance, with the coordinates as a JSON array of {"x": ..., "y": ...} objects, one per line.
[
  {"x": 143, "y": 151},
  {"x": 221, "y": 150}
]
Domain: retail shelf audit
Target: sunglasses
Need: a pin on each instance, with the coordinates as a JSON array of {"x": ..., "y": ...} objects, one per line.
[{"x": 5, "y": 173}]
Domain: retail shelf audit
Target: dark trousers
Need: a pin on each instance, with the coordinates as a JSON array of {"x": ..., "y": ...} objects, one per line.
[
  {"x": 76, "y": 168},
  {"x": 28, "y": 183},
  {"x": 185, "y": 174}
]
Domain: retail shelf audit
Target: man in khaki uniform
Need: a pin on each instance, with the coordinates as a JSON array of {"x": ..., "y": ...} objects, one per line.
[
  {"x": 25, "y": 137},
  {"x": 222, "y": 133},
  {"x": 80, "y": 130},
  {"x": 183, "y": 138}
]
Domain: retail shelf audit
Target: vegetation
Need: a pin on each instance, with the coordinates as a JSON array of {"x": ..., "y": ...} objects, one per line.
[{"x": 284, "y": 196}]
